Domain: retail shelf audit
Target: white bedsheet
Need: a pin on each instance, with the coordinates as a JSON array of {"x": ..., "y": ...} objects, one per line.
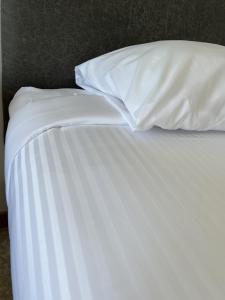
[
  {"x": 100, "y": 212},
  {"x": 33, "y": 111}
]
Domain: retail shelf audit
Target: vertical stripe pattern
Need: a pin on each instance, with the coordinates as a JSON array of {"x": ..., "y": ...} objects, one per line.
[{"x": 99, "y": 212}]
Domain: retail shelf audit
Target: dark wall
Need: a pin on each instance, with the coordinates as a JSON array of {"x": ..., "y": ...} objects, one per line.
[{"x": 43, "y": 40}]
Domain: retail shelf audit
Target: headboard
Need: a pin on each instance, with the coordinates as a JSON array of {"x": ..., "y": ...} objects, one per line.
[{"x": 42, "y": 40}]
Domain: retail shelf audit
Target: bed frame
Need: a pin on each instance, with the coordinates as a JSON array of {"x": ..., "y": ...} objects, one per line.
[{"x": 43, "y": 40}]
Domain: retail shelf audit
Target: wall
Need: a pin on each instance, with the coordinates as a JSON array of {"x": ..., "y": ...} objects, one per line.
[{"x": 2, "y": 198}]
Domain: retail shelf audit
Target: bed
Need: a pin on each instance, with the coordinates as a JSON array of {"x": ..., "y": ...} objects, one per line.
[{"x": 96, "y": 210}]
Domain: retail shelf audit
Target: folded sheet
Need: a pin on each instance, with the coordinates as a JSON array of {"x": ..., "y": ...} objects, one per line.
[{"x": 33, "y": 111}]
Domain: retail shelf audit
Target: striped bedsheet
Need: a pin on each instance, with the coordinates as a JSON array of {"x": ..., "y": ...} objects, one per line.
[{"x": 98, "y": 212}]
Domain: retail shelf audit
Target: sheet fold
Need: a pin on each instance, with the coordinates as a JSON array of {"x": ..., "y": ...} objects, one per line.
[{"x": 34, "y": 111}]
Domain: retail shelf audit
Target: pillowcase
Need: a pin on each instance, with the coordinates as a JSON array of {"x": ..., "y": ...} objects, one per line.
[{"x": 170, "y": 84}]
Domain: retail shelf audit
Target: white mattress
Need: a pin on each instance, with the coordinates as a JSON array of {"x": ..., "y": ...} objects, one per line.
[{"x": 97, "y": 211}]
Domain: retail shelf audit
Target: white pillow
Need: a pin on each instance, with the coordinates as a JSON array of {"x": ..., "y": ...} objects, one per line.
[{"x": 170, "y": 84}]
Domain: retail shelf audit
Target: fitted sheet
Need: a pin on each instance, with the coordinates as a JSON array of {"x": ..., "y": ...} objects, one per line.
[{"x": 100, "y": 212}]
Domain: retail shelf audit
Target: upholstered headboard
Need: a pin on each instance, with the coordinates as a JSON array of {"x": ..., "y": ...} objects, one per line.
[{"x": 42, "y": 40}]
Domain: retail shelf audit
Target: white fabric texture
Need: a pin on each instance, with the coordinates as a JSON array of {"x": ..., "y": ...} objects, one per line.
[
  {"x": 97, "y": 211},
  {"x": 30, "y": 94},
  {"x": 170, "y": 84},
  {"x": 34, "y": 111}
]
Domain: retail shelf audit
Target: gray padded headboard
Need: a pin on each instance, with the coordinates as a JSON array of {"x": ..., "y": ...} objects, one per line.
[{"x": 42, "y": 40}]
